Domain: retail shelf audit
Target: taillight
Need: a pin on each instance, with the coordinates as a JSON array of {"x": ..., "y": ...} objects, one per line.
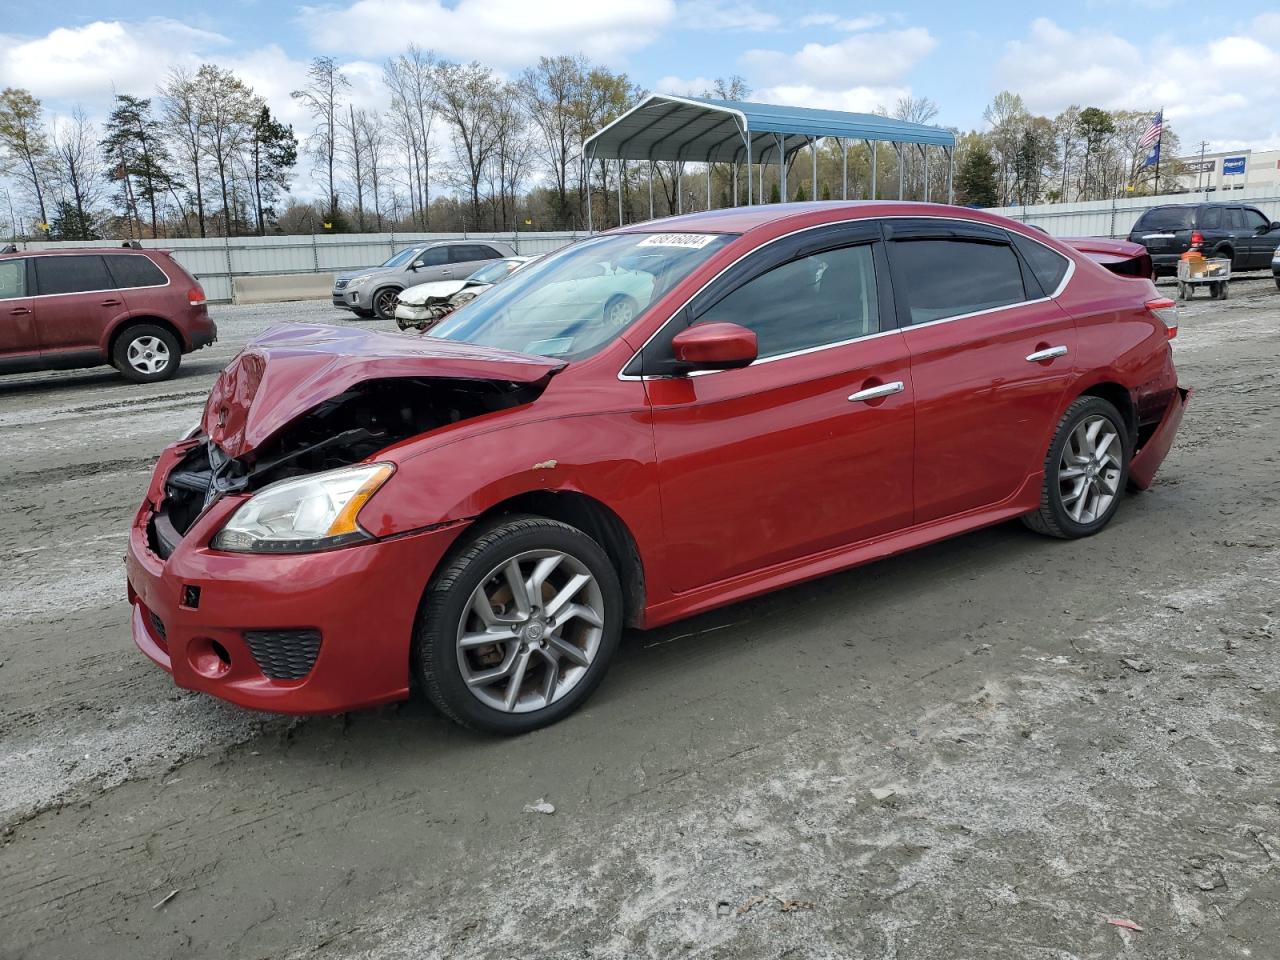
[
  {"x": 195, "y": 296},
  {"x": 1166, "y": 311},
  {"x": 1197, "y": 239}
]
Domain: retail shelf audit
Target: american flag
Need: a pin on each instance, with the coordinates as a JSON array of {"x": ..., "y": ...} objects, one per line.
[{"x": 1152, "y": 133}]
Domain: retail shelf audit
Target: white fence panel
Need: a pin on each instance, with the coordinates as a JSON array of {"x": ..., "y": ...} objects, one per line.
[
  {"x": 1115, "y": 218},
  {"x": 215, "y": 261}
]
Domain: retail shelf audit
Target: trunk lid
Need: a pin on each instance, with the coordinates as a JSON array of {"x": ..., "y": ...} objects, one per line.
[
  {"x": 1122, "y": 257},
  {"x": 291, "y": 369}
]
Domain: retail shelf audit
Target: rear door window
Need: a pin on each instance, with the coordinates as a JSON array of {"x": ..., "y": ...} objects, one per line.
[
  {"x": 72, "y": 274},
  {"x": 13, "y": 279},
  {"x": 1210, "y": 218},
  {"x": 1048, "y": 266},
  {"x": 1234, "y": 218},
  {"x": 952, "y": 277},
  {"x": 467, "y": 252},
  {"x": 135, "y": 271},
  {"x": 1167, "y": 218},
  {"x": 814, "y": 301}
]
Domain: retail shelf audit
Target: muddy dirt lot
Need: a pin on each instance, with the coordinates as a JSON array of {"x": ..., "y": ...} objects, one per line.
[{"x": 985, "y": 749}]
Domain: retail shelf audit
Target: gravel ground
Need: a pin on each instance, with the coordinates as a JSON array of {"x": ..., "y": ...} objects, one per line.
[{"x": 986, "y": 749}]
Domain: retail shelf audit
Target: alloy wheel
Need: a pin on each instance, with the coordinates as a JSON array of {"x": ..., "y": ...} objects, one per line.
[
  {"x": 621, "y": 313},
  {"x": 384, "y": 304},
  {"x": 148, "y": 355},
  {"x": 530, "y": 631},
  {"x": 1089, "y": 470}
]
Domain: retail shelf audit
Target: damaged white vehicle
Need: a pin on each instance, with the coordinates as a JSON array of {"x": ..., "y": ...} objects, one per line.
[{"x": 426, "y": 304}]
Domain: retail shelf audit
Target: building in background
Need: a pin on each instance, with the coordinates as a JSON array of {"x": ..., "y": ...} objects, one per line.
[{"x": 1229, "y": 170}]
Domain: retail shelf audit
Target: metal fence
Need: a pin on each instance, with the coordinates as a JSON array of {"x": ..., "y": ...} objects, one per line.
[
  {"x": 1115, "y": 218},
  {"x": 215, "y": 261}
]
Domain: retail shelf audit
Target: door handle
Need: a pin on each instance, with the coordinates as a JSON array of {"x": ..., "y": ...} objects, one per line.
[
  {"x": 1048, "y": 354},
  {"x": 875, "y": 393},
  {"x": 20, "y": 311},
  {"x": 111, "y": 303}
]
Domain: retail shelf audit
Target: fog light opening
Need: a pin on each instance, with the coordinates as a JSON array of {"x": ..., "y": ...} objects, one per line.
[{"x": 208, "y": 657}]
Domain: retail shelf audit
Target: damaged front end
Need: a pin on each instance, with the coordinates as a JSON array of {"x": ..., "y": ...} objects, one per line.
[{"x": 325, "y": 400}]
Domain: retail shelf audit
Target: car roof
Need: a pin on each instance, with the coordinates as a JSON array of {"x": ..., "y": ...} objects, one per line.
[
  {"x": 71, "y": 251},
  {"x": 736, "y": 220}
]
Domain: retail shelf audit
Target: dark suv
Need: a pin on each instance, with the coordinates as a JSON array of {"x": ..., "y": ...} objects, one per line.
[
  {"x": 137, "y": 310},
  {"x": 1242, "y": 233}
]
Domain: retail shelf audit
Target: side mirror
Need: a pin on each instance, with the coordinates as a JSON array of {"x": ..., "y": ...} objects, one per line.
[
  {"x": 1275, "y": 225},
  {"x": 415, "y": 265},
  {"x": 715, "y": 346}
]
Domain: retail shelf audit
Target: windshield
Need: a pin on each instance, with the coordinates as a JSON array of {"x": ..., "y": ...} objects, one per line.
[
  {"x": 401, "y": 258},
  {"x": 573, "y": 302},
  {"x": 493, "y": 272}
]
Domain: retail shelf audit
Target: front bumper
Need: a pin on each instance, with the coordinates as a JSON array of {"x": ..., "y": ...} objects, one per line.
[
  {"x": 348, "y": 299},
  {"x": 1147, "y": 460},
  {"x": 192, "y": 611}
]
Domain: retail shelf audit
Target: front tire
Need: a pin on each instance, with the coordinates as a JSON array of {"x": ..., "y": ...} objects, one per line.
[
  {"x": 384, "y": 303},
  {"x": 1085, "y": 471},
  {"x": 146, "y": 353},
  {"x": 519, "y": 627}
]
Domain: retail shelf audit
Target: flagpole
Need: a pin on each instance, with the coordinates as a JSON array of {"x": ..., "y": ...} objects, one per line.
[{"x": 1159, "y": 137}]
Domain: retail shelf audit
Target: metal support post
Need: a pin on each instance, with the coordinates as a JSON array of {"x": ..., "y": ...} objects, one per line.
[
  {"x": 650, "y": 189},
  {"x": 875, "y": 165},
  {"x": 844, "y": 168}
]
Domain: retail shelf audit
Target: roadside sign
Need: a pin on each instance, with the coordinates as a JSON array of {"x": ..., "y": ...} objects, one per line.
[{"x": 1232, "y": 165}]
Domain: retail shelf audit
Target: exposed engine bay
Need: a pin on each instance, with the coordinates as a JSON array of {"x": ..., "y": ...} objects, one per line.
[{"x": 342, "y": 430}]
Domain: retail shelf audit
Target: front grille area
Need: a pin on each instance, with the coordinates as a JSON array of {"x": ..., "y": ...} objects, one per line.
[{"x": 284, "y": 654}]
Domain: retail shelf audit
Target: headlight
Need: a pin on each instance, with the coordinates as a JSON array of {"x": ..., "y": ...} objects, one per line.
[
  {"x": 306, "y": 514},
  {"x": 357, "y": 280},
  {"x": 464, "y": 297},
  {"x": 192, "y": 430}
]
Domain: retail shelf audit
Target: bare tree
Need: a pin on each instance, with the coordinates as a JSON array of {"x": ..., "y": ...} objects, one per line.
[
  {"x": 372, "y": 137},
  {"x": 466, "y": 97},
  {"x": 228, "y": 109},
  {"x": 323, "y": 96},
  {"x": 79, "y": 176},
  {"x": 411, "y": 79},
  {"x": 24, "y": 143},
  {"x": 552, "y": 92},
  {"x": 181, "y": 106}
]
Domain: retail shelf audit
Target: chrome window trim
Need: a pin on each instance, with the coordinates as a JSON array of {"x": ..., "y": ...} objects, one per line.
[
  {"x": 168, "y": 281},
  {"x": 1062, "y": 286}
]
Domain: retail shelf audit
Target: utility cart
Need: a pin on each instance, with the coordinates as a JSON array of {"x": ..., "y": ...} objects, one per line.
[{"x": 1215, "y": 272}]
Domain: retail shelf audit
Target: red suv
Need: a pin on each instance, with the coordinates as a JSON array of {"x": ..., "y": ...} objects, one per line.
[{"x": 137, "y": 310}]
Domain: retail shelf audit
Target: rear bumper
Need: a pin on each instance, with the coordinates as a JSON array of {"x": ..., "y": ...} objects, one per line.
[
  {"x": 1165, "y": 264},
  {"x": 205, "y": 337},
  {"x": 192, "y": 611},
  {"x": 1145, "y": 463}
]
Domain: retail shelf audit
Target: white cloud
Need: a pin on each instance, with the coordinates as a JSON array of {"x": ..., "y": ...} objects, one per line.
[
  {"x": 502, "y": 33},
  {"x": 726, "y": 15},
  {"x": 1055, "y": 67},
  {"x": 85, "y": 63},
  {"x": 860, "y": 99},
  {"x": 684, "y": 87},
  {"x": 861, "y": 60},
  {"x": 847, "y": 24}
]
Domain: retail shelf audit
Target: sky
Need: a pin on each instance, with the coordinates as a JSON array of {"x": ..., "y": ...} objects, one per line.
[{"x": 1216, "y": 75}]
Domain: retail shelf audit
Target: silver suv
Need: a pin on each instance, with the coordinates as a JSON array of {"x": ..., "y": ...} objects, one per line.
[{"x": 373, "y": 290}]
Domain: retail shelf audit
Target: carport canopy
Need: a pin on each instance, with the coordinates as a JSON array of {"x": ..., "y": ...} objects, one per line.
[{"x": 704, "y": 130}]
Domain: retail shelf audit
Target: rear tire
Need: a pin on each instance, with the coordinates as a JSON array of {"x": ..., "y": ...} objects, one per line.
[
  {"x": 1086, "y": 471},
  {"x": 146, "y": 353},
  {"x": 552, "y": 641}
]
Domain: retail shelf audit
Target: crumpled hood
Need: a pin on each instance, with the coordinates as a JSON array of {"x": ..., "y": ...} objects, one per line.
[
  {"x": 291, "y": 369},
  {"x": 437, "y": 289}
]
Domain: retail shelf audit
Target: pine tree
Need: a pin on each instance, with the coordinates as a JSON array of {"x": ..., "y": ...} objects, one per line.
[
  {"x": 133, "y": 147},
  {"x": 273, "y": 154},
  {"x": 775, "y": 195},
  {"x": 976, "y": 179},
  {"x": 800, "y": 194}
]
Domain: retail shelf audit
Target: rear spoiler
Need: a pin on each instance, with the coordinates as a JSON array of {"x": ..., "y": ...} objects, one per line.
[{"x": 1121, "y": 257}]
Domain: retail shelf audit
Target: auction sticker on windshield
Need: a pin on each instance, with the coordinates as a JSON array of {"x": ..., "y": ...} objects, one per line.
[{"x": 693, "y": 241}]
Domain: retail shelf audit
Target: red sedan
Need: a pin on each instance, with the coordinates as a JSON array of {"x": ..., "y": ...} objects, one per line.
[{"x": 645, "y": 425}]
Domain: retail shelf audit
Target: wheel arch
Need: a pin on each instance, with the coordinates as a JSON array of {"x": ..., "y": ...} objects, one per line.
[
  {"x": 123, "y": 325},
  {"x": 1119, "y": 397},
  {"x": 594, "y": 518}
]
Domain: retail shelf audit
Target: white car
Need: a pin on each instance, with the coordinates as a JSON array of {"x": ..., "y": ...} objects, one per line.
[{"x": 423, "y": 305}]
